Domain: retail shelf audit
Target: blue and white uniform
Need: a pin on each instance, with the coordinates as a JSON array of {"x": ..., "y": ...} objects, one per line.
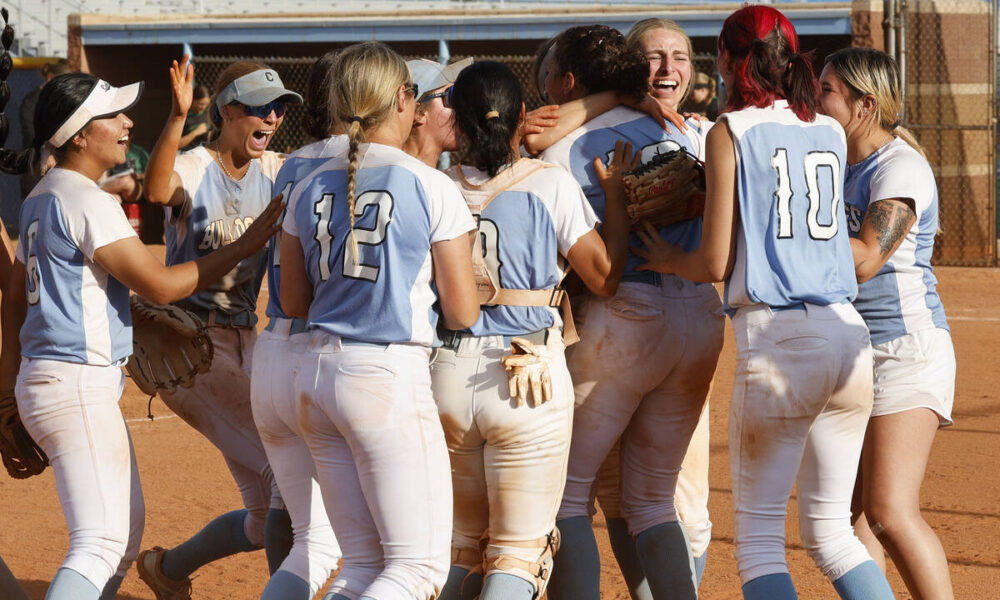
[
  {"x": 646, "y": 358},
  {"x": 508, "y": 461},
  {"x": 802, "y": 391},
  {"x": 276, "y": 357},
  {"x": 215, "y": 211},
  {"x": 76, "y": 335},
  {"x": 364, "y": 383},
  {"x": 914, "y": 357}
]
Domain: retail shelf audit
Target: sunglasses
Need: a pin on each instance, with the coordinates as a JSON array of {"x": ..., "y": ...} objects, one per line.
[
  {"x": 278, "y": 107},
  {"x": 446, "y": 97}
]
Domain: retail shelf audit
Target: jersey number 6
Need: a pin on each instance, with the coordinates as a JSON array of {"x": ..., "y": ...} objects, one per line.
[
  {"x": 354, "y": 269},
  {"x": 811, "y": 164}
]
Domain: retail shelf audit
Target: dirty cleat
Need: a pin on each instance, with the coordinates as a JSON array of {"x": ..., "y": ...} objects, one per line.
[{"x": 150, "y": 570}]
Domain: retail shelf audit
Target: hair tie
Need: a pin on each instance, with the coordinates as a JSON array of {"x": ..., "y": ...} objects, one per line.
[
  {"x": 894, "y": 125},
  {"x": 356, "y": 119},
  {"x": 492, "y": 115}
]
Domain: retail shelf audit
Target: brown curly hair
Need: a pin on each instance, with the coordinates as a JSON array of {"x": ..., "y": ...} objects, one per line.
[{"x": 600, "y": 59}]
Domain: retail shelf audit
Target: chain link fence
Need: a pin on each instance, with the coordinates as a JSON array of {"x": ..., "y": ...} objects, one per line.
[
  {"x": 947, "y": 53},
  {"x": 294, "y": 73}
]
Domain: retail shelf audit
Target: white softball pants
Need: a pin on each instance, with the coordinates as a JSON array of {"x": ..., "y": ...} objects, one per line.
[
  {"x": 277, "y": 358},
  {"x": 642, "y": 372},
  {"x": 218, "y": 407},
  {"x": 381, "y": 461},
  {"x": 508, "y": 463},
  {"x": 802, "y": 396},
  {"x": 71, "y": 410}
]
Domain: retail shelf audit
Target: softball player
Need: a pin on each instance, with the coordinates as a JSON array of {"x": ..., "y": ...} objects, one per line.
[
  {"x": 802, "y": 391},
  {"x": 892, "y": 215},
  {"x": 365, "y": 235},
  {"x": 434, "y": 122},
  {"x": 211, "y": 194},
  {"x": 509, "y": 460},
  {"x": 645, "y": 363},
  {"x": 69, "y": 287},
  {"x": 276, "y": 358}
]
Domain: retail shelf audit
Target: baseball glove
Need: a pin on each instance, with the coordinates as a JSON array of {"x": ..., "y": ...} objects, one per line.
[
  {"x": 667, "y": 189},
  {"x": 527, "y": 368},
  {"x": 170, "y": 347},
  {"x": 21, "y": 455}
]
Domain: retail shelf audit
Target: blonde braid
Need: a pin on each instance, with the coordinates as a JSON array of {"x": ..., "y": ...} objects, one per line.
[{"x": 355, "y": 135}]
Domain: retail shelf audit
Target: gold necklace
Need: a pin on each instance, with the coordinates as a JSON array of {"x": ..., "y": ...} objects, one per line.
[{"x": 218, "y": 158}]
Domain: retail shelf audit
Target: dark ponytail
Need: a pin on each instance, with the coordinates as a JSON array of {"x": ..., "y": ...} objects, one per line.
[
  {"x": 57, "y": 101},
  {"x": 763, "y": 51},
  {"x": 487, "y": 100},
  {"x": 11, "y": 162},
  {"x": 318, "y": 121},
  {"x": 600, "y": 59}
]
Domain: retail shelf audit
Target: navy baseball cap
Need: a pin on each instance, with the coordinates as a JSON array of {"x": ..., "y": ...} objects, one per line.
[{"x": 257, "y": 89}]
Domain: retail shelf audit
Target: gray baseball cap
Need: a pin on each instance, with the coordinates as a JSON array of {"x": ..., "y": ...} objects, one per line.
[
  {"x": 257, "y": 89},
  {"x": 429, "y": 75}
]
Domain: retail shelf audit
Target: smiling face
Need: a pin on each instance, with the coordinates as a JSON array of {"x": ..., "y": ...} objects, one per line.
[
  {"x": 247, "y": 134},
  {"x": 106, "y": 140},
  {"x": 669, "y": 65}
]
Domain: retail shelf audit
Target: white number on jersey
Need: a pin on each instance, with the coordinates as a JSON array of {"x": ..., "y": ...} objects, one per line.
[
  {"x": 811, "y": 165},
  {"x": 34, "y": 291},
  {"x": 489, "y": 237},
  {"x": 355, "y": 269}
]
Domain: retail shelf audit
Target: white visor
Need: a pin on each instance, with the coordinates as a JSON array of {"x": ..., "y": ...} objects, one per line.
[{"x": 104, "y": 101}]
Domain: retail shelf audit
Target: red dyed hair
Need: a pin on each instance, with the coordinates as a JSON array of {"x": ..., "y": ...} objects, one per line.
[{"x": 764, "y": 54}]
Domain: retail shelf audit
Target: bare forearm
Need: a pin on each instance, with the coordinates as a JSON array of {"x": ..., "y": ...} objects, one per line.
[
  {"x": 160, "y": 169},
  {"x": 615, "y": 232},
  {"x": 572, "y": 114},
  {"x": 13, "y": 309}
]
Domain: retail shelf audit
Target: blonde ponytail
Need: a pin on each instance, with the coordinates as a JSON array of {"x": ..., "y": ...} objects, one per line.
[{"x": 366, "y": 78}]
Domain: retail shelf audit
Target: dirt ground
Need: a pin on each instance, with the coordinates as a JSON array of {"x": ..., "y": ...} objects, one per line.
[{"x": 186, "y": 483}]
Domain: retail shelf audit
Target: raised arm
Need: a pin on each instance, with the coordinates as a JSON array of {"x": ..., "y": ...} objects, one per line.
[
  {"x": 130, "y": 262},
  {"x": 713, "y": 259},
  {"x": 599, "y": 259},
  {"x": 883, "y": 230},
  {"x": 163, "y": 185}
]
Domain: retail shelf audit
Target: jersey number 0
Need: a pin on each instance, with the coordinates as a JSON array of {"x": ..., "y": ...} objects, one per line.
[{"x": 351, "y": 268}]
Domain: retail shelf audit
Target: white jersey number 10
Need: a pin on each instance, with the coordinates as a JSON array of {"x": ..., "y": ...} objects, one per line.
[
  {"x": 812, "y": 163},
  {"x": 354, "y": 269}
]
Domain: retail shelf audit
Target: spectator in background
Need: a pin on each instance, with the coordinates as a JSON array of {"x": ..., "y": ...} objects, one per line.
[
  {"x": 197, "y": 125},
  {"x": 703, "y": 100},
  {"x": 48, "y": 71}
]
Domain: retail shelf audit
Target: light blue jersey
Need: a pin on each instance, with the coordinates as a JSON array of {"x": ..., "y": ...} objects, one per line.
[
  {"x": 597, "y": 137},
  {"x": 77, "y": 312},
  {"x": 298, "y": 164},
  {"x": 216, "y": 211},
  {"x": 902, "y": 297},
  {"x": 524, "y": 233},
  {"x": 792, "y": 244},
  {"x": 402, "y": 206}
]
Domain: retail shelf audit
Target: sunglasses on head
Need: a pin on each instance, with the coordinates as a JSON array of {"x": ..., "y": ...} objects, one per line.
[
  {"x": 279, "y": 107},
  {"x": 446, "y": 97}
]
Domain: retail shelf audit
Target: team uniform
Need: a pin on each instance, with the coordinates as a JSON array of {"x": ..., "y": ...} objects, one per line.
[
  {"x": 76, "y": 336},
  {"x": 363, "y": 387},
  {"x": 215, "y": 211},
  {"x": 276, "y": 358},
  {"x": 509, "y": 461},
  {"x": 914, "y": 356},
  {"x": 802, "y": 391},
  {"x": 646, "y": 358}
]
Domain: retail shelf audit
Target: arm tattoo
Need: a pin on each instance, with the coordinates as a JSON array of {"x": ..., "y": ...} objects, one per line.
[{"x": 891, "y": 222}]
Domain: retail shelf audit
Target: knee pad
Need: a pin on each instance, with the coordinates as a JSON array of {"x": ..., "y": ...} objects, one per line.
[{"x": 537, "y": 571}]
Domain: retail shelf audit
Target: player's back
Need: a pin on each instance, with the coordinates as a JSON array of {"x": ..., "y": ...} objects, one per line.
[
  {"x": 792, "y": 244},
  {"x": 383, "y": 292},
  {"x": 296, "y": 167}
]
